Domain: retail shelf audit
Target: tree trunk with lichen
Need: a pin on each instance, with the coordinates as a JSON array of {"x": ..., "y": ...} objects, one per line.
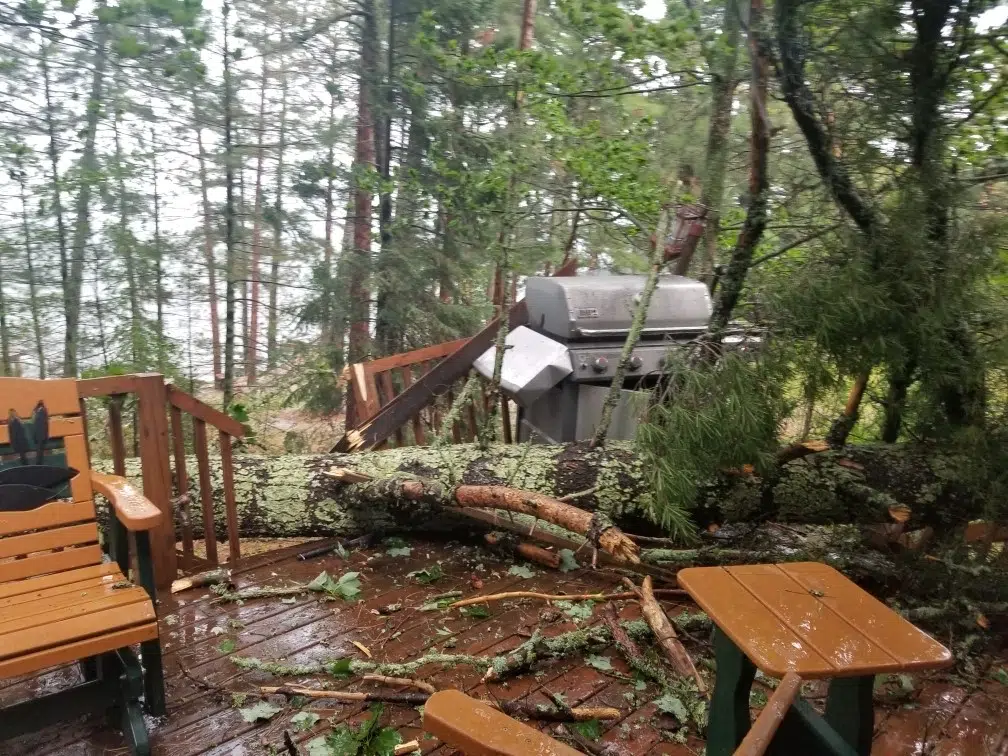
[{"x": 289, "y": 496}]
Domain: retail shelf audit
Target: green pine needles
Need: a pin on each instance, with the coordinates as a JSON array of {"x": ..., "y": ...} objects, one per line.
[{"x": 711, "y": 417}]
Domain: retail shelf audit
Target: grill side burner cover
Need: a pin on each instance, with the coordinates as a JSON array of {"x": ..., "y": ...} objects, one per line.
[
  {"x": 602, "y": 306},
  {"x": 533, "y": 364}
]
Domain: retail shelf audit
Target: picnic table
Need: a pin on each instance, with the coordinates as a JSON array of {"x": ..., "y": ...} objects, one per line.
[{"x": 807, "y": 619}]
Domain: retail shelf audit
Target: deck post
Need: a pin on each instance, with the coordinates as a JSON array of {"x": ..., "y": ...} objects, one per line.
[{"x": 152, "y": 417}]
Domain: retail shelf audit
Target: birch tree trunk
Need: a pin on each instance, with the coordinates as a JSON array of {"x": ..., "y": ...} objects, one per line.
[{"x": 6, "y": 367}]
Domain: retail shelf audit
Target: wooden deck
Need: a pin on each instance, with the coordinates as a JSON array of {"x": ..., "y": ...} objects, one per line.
[{"x": 199, "y": 632}]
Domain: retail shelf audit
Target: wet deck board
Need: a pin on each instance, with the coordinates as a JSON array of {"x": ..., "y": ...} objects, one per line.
[{"x": 202, "y": 720}]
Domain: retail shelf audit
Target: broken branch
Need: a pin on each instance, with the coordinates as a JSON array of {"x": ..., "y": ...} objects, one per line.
[
  {"x": 559, "y": 597},
  {"x": 408, "y": 682}
]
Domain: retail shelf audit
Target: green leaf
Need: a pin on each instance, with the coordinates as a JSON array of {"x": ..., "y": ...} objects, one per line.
[
  {"x": 592, "y": 729},
  {"x": 399, "y": 551},
  {"x": 339, "y": 668},
  {"x": 580, "y": 611},
  {"x": 427, "y": 575},
  {"x": 226, "y": 646},
  {"x": 672, "y": 704},
  {"x": 348, "y": 586},
  {"x": 304, "y": 720},
  {"x": 1000, "y": 674},
  {"x": 476, "y": 611},
  {"x": 601, "y": 663},
  {"x": 320, "y": 582},
  {"x": 567, "y": 560},
  {"x": 522, "y": 571},
  {"x": 263, "y": 710},
  {"x": 318, "y": 747},
  {"x": 383, "y": 743},
  {"x": 435, "y": 606},
  {"x": 343, "y": 741}
]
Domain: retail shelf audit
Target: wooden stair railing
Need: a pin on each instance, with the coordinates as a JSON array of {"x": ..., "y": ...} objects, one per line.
[{"x": 161, "y": 410}]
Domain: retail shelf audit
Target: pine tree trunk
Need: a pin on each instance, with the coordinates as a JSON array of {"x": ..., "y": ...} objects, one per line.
[
  {"x": 387, "y": 326},
  {"x": 723, "y": 86},
  {"x": 208, "y": 243},
  {"x": 272, "y": 315},
  {"x": 252, "y": 344},
  {"x": 88, "y": 177},
  {"x": 230, "y": 242},
  {"x": 329, "y": 328},
  {"x": 33, "y": 300},
  {"x": 53, "y": 151},
  {"x": 159, "y": 293},
  {"x": 288, "y": 496},
  {"x": 364, "y": 160},
  {"x": 6, "y": 367}
]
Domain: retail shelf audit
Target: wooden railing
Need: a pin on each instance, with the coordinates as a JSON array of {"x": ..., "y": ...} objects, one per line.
[
  {"x": 376, "y": 383},
  {"x": 160, "y": 439}
]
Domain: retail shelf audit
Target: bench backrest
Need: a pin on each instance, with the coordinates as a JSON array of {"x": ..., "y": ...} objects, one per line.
[{"x": 59, "y": 535}]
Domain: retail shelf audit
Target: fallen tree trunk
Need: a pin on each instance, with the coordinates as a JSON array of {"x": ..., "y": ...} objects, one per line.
[{"x": 291, "y": 495}]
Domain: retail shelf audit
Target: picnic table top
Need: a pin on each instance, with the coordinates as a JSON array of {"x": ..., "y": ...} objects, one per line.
[{"x": 807, "y": 618}]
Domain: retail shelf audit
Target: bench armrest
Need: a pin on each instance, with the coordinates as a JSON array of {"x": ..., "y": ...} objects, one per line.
[
  {"x": 131, "y": 507},
  {"x": 758, "y": 739}
]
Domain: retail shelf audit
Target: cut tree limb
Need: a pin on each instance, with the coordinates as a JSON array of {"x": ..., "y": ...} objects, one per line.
[
  {"x": 665, "y": 633},
  {"x": 600, "y": 597}
]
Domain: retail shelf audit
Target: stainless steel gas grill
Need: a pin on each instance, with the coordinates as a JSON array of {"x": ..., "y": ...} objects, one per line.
[{"x": 560, "y": 395}]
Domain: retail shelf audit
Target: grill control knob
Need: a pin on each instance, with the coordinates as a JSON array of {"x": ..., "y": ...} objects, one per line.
[
  {"x": 600, "y": 364},
  {"x": 635, "y": 362}
]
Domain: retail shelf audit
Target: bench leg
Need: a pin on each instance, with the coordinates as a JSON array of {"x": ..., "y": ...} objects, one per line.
[
  {"x": 154, "y": 694},
  {"x": 850, "y": 711},
  {"x": 89, "y": 668},
  {"x": 803, "y": 731},
  {"x": 729, "y": 710},
  {"x": 131, "y": 708}
]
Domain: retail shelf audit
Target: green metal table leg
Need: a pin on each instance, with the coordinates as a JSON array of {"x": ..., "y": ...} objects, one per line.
[
  {"x": 850, "y": 711},
  {"x": 729, "y": 710}
]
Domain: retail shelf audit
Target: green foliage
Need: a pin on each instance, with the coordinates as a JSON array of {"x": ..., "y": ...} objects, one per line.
[
  {"x": 712, "y": 416},
  {"x": 427, "y": 575},
  {"x": 347, "y": 587},
  {"x": 592, "y": 729},
  {"x": 261, "y": 711},
  {"x": 521, "y": 570},
  {"x": 304, "y": 720},
  {"x": 476, "y": 611},
  {"x": 369, "y": 738}
]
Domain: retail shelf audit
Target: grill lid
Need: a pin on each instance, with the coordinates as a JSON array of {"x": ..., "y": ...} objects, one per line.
[{"x": 602, "y": 306}]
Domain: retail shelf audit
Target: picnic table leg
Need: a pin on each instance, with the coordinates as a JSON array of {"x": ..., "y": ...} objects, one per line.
[
  {"x": 729, "y": 710},
  {"x": 850, "y": 711}
]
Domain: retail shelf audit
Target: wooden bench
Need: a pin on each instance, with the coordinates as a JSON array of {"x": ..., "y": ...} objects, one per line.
[
  {"x": 60, "y": 601},
  {"x": 807, "y": 620}
]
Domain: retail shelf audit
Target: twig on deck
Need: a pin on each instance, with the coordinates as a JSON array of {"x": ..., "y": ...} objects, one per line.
[
  {"x": 560, "y": 597},
  {"x": 408, "y": 682},
  {"x": 292, "y": 749},
  {"x": 665, "y": 633}
]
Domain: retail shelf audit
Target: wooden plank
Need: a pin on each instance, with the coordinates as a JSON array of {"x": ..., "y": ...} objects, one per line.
[
  {"x": 23, "y": 394},
  {"x": 49, "y": 515},
  {"x": 65, "y": 607},
  {"x": 230, "y": 507},
  {"x": 206, "y": 490},
  {"x": 365, "y": 392},
  {"x": 116, "y": 440},
  {"x": 832, "y": 637},
  {"x": 390, "y": 393},
  {"x": 403, "y": 359},
  {"x": 43, "y": 598},
  {"x": 768, "y": 643},
  {"x": 59, "y": 427},
  {"x": 76, "y": 451},
  {"x": 152, "y": 419},
  {"x": 111, "y": 385},
  {"x": 419, "y": 437},
  {"x": 48, "y": 540},
  {"x": 71, "y": 652},
  {"x": 401, "y": 409},
  {"x": 182, "y": 484},
  {"x": 193, "y": 406},
  {"x": 18, "y": 642},
  {"x": 910, "y": 646},
  {"x": 56, "y": 561}
]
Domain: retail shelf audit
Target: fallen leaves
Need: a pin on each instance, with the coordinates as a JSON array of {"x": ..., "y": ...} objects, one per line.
[
  {"x": 362, "y": 648},
  {"x": 522, "y": 571},
  {"x": 601, "y": 663},
  {"x": 261, "y": 711}
]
